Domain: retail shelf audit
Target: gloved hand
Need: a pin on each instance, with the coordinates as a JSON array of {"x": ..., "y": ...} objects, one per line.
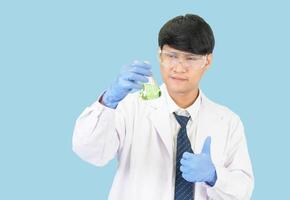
[
  {"x": 199, "y": 167},
  {"x": 131, "y": 77}
]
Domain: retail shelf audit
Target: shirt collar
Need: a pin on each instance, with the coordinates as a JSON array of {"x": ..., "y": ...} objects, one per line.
[{"x": 192, "y": 110}]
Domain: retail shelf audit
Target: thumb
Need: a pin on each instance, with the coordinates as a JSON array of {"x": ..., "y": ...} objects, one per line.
[{"x": 206, "y": 146}]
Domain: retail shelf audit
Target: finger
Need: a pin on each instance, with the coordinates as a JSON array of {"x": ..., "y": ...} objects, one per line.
[
  {"x": 185, "y": 169},
  {"x": 206, "y": 146},
  {"x": 140, "y": 64},
  {"x": 135, "y": 77},
  {"x": 141, "y": 71},
  {"x": 186, "y": 163},
  {"x": 129, "y": 85},
  {"x": 135, "y": 64},
  {"x": 137, "y": 86},
  {"x": 187, "y": 177},
  {"x": 187, "y": 155}
]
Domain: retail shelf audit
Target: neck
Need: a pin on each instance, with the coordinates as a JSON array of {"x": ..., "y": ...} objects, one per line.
[{"x": 184, "y": 100}]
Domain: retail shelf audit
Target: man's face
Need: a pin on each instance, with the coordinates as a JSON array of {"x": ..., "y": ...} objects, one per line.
[{"x": 179, "y": 78}]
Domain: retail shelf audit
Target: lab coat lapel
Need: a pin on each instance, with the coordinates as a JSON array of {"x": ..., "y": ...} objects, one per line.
[
  {"x": 209, "y": 124},
  {"x": 160, "y": 119},
  {"x": 208, "y": 121}
]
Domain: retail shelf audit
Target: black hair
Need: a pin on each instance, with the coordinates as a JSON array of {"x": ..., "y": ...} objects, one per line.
[{"x": 188, "y": 33}]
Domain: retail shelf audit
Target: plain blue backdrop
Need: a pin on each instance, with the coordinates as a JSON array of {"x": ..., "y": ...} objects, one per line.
[{"x": 56, "y": 57}]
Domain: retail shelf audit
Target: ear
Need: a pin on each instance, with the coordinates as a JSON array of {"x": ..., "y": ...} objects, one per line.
[
  {"x": 209, "y": 58},
  {"x": 158, "y": 54}
]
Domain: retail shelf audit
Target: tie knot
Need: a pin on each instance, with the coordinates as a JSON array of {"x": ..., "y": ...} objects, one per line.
[{"x": 182, "y": 120}]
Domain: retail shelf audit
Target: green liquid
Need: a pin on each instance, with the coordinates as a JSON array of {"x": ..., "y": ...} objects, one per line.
[{"x": 150, "y": 91}]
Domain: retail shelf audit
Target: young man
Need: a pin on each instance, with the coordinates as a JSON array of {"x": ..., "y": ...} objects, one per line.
[{"x": 180, "y": 146}]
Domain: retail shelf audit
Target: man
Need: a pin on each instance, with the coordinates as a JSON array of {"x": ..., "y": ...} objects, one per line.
[{"x": 180, "y": 146}]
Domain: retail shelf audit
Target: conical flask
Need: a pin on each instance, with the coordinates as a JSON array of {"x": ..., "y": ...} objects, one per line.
[{"x": 150, "y": 90}]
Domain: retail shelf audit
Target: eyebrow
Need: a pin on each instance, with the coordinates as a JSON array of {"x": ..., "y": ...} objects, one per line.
[{"x": 180, "y": 52}]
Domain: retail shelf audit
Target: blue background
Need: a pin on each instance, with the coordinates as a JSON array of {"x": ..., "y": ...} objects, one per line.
[{"x": 56, "y": 57}]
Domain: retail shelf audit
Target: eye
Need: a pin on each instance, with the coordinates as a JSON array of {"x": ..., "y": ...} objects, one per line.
[
  {"x": 171, "y": 55},
  {"x": 191, "y": 58}
]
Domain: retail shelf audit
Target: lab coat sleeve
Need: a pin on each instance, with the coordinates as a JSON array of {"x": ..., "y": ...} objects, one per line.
[
  {"x": 98, "y": 134},
  {"x": 235, "y": 180}
]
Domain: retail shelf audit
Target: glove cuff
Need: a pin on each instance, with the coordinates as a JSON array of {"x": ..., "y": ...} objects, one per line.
[
  {"x": 108, "y": 101},
  {"x": 213, "y": 179}
]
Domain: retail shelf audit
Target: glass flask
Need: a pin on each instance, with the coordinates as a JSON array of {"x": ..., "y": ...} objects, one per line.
[{"x": 150, "y": 90}]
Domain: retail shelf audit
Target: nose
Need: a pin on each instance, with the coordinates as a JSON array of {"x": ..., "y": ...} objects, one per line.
[{"x": 178, "y": 66}]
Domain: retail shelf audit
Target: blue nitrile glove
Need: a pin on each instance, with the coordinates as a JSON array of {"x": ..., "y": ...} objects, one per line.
[
  {"x": 131, "y": 77},
  {"x": 199, "y": 167}
]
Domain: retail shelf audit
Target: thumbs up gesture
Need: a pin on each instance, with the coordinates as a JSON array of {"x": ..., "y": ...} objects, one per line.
[{"x": 199, "y": 167}]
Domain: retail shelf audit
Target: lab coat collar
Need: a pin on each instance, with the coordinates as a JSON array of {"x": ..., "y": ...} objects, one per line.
[
  {"x": 162, "y": 102},
  {"x": 192, "y": 110},
  {"x": 160, "y": 118}
]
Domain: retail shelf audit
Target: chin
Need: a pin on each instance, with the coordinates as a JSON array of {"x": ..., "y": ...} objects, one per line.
[{"x": 178, "y": 89}]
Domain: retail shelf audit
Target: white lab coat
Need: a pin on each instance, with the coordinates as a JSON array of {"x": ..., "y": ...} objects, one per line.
[{"x": 138, "y": 133}]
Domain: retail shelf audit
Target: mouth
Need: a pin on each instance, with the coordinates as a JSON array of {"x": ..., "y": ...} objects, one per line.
[{"x": 176, "y": 78}]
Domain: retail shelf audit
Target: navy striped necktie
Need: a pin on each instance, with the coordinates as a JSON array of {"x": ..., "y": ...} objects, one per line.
[{"x": 184, "y": 190}]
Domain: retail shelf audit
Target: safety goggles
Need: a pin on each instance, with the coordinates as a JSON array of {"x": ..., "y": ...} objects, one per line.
[{"x": 188, "y": 60}]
